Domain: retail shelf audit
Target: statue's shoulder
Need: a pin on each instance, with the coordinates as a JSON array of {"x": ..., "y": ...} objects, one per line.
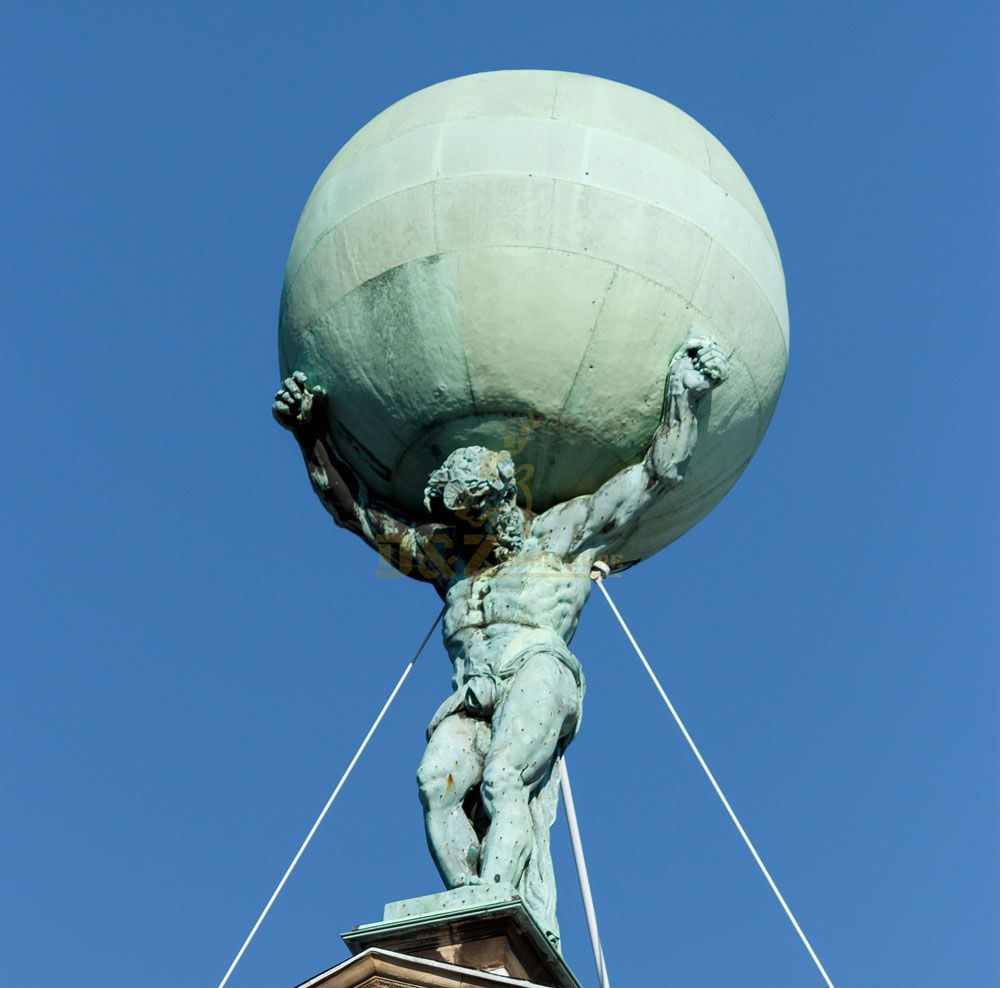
[{"x": 563, "y": 519}]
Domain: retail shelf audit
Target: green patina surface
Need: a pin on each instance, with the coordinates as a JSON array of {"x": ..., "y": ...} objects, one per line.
[
  {"x": 514, "y": 585},
  {"x": 508, "y": 309},
  {"x": 510, "y": 260},
  {"x": 460, "y": 900}
]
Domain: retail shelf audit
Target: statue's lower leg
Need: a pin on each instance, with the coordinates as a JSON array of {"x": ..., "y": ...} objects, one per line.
[
  {"x": 509, "y": 839},
  {"x": 541, "y": 699},
  {"x": 453, "y": 843},
  {"x": 448, "y": 771}
]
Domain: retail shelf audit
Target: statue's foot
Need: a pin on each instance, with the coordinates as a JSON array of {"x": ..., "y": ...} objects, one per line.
[{"x": 479, "y": 880}]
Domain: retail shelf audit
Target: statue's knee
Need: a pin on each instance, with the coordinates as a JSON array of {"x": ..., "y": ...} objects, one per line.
[
  {"x": 430, "y": 781},
  {"x": 436, "y": 785}
]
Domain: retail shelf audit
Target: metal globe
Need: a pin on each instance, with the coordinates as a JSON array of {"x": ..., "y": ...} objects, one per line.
[{"x": 510, "y": 260}]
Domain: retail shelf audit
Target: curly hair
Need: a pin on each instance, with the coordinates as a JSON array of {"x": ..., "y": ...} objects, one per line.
[{"x": 472, "y": 470}]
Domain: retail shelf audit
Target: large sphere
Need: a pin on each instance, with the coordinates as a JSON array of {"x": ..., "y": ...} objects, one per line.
[{"x": 511, "y": 259}]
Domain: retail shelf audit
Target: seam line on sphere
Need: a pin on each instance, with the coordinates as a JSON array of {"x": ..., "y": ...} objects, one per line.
[
  {"x": 563, "y": 250},
  {"x": 460, "y": 326},
  {"x": 590, "y": 343},
  {"x": 679, "y": 161},
  {"x": 704, "y": 268},
  {"x": 551, "y": 231},
  {"x": 573, "y": 253},
  {"x": 603, "y": 130},
  {"x": 768, "y": 232},
  {"x": 434, "y": 220}
]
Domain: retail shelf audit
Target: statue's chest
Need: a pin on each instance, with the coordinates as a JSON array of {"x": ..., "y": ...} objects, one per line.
[
  {"x": 511, "y": 592},
  {"x": 470, "y": 601}
]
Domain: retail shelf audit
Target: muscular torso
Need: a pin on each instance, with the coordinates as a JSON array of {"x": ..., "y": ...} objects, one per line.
[{"x": 494, "y": 613}]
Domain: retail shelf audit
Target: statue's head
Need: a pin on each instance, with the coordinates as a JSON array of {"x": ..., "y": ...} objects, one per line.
[{"x": 473, "y": 482}]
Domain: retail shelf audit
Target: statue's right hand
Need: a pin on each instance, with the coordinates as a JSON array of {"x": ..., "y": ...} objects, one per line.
[
  {"x": 296, "y": 405},
  {"x": 698, "y": 366}
]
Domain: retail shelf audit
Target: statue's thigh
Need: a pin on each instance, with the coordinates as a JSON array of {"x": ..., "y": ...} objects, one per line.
[
  {"x": 541, "y": 706},
  {"x": 452, "y": 753}
]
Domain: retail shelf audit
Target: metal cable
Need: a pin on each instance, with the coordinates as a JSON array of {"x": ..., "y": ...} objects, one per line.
[
  {"x": 581, "y": 873},
  {"x": 598, "y": 577},
  {"x": 329, "y": 802}
]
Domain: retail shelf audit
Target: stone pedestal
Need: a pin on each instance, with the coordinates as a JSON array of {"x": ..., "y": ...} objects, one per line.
[{"x": 466, "y": 938}]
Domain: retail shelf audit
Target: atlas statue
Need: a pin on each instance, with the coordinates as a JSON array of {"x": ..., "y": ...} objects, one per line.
[{"x": 514, "y": 584}]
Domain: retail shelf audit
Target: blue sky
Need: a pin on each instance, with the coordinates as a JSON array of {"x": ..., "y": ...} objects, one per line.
[{"x": 192, "y": 651}]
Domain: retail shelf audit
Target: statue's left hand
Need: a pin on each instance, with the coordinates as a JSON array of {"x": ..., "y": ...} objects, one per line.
[
  {"x": 700, "y": 365},
  {"x": 296, "y": 405}
]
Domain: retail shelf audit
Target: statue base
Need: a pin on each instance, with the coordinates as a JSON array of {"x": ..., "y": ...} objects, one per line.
[{"x": 476, "y": 937}]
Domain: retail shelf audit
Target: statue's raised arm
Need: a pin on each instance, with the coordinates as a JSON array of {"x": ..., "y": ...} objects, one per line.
[
  {"x": 603, "y": 520},
  {"x": 408, "y": 547}
]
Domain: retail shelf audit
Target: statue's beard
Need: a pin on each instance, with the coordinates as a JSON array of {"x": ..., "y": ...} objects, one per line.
[{"x": 503, "y": 525}]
